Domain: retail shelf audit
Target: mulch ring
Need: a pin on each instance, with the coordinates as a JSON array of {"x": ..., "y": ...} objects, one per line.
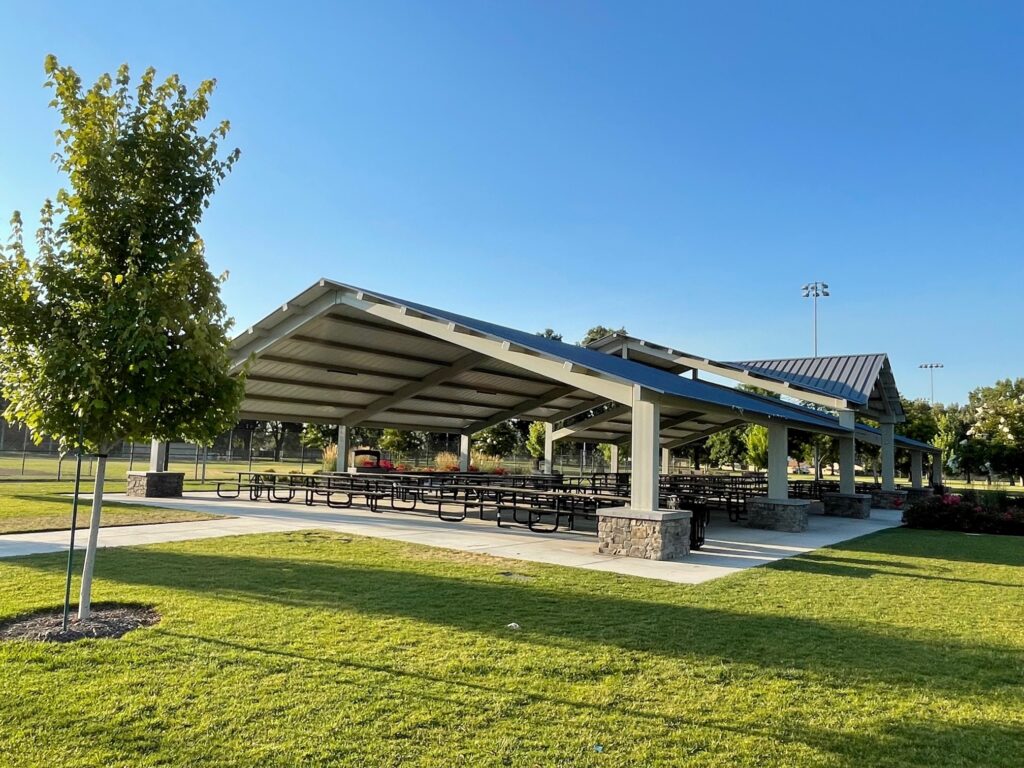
[{"x": 109, "y": 621}]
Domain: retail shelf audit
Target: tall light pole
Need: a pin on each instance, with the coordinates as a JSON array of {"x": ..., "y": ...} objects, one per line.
[
  {"x": 814, "y": 291},
  {"x": 931, "y": 375}
]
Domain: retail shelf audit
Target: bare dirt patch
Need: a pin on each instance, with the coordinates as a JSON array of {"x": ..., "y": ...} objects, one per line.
[{"x": 107, "y": 621}]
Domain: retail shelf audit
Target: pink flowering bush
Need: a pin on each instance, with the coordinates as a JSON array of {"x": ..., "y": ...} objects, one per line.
[{"x": 970, "y": 512}]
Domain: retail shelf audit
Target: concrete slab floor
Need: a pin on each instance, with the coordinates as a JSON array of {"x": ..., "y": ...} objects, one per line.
[{"x": 729, "y": 547}]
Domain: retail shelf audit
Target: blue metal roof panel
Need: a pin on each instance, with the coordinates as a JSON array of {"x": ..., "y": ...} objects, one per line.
[{"x": 623, "y": 369}]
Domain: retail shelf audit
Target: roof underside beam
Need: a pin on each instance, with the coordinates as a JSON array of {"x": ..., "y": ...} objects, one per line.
[
  {"x": 504, "y": 351},
  {"x": 432, "y": 379},
  {"x": 666, "y": 424},
  {"x": 576, "y": 410},
  {"x": 359, "y": 348},
  {"x": 524, "y": 406},
  {"x": 582, "y": 426},
  {"x": 702, "y": 434},
  {"x": 263, "y": 340}
]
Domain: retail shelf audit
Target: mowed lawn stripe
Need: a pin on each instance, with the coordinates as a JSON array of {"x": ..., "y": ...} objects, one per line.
[
  {"x": 31, "y": 507},
  {"x": 316, "y": 648}
]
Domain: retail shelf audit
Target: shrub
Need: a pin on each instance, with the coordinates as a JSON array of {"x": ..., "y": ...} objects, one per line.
[
  {"x": 330, "y": 457},
  {"x": 952, "y": 512},
  {"x": 484, "y": 463},
  {"x": 446, "y": 460}
]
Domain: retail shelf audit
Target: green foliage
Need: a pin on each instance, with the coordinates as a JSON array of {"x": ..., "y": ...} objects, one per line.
[
  {"x": 118, "y": 327},
  {"x": 756, "y": 441},
  {"x": 272, "y": 434},
  {"x": 807, "y": 445},
  {"x": 728, "y": 447},
  {"x": 998, "y": 413},
  {"x": 318, "y": 435},
  {"x": 535, "y": 439},
  {"x": 751, "y": 389},
  {"x": 549, "y": 333},
  {"x": 499, "y": 440},
  {"x": 599, "y": 332},
  {"x": 397, "y": 441},
  {"x": 921, "y": 421}
]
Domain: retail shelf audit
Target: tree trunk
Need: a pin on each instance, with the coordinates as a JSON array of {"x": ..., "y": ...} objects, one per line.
[{"x": 85, "y": 599}]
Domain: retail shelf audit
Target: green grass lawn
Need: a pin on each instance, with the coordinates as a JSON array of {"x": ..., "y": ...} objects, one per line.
[
  {"x": 904, "y": 648},
  {"x": 46, "y": 506}
]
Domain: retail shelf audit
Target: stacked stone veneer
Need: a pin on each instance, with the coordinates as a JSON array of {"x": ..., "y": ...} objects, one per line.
[
  {"x": 888, "y": 499},
  {"x": 152, "y": 485},
  {"x": 660, "y": 535},
  {"x": 778, "y": 514},
  {"x": 847, "y": 504}
]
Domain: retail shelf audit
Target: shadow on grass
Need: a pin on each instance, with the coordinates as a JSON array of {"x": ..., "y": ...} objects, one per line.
[{"x": 568, "y": 620}]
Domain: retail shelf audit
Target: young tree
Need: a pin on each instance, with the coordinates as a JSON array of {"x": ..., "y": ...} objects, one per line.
[
  {"x": 961, "y": 452},
  {"x": 500, "y": 440},
  {"x": 756, "y": 441},
  {"x": 117, "y": 330},
  {"x": 274, "y": 434},
  {"x": 318, "y": 435},
  {"x": 535, "y": 441},
  {"x": 399, "y": 441},
  {"x": 549, "y": 333},
  {"x": 727, "y": 447}
]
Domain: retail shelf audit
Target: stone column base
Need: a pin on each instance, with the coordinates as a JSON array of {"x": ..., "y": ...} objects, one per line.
[
  {"x": 658, "y": 535},
  {"x": 888, "y": 499},
  {"x": 847, "y": 504},
  {"x": 152, "y": 485},
  {"x": 778, "y": 514}
]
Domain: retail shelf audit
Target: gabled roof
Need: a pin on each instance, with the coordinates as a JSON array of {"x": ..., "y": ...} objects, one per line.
[
  {"x": 864, "y": 383},
  {"x": 341, "y": 354},
  {"x": 851, "y": 377}
]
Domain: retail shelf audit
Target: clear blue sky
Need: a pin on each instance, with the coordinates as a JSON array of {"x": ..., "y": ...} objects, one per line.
[{"x": 677, "y": 168}]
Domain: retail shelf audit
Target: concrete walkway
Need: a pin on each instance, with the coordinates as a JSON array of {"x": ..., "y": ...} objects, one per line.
[{"x": 729, "y": 548}]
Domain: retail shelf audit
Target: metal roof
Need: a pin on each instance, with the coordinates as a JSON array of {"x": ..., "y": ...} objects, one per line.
[
  {"x": 864, "y": 383},
  {"x": 341, "y": 354},
  {"x": 851, "y": 377}
]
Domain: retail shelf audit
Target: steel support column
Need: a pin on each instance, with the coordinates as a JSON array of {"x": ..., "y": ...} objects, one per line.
[
  {"x": 936, "y": 469},
  {"x": 888, "y": 431},
  {"x": 847, "y": 454},
  {"x": 341, "y": 462},
  {"x": 778, "y": 461},
  {"x": 646, "y": 440},
  {"x": 916, "y": 469},
  {"x": 158, "y": 456},
  {"x": 549, "y": 447}
]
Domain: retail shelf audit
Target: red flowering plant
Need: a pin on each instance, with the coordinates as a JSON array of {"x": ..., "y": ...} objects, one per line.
[{"x": 972, "y": 512}]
